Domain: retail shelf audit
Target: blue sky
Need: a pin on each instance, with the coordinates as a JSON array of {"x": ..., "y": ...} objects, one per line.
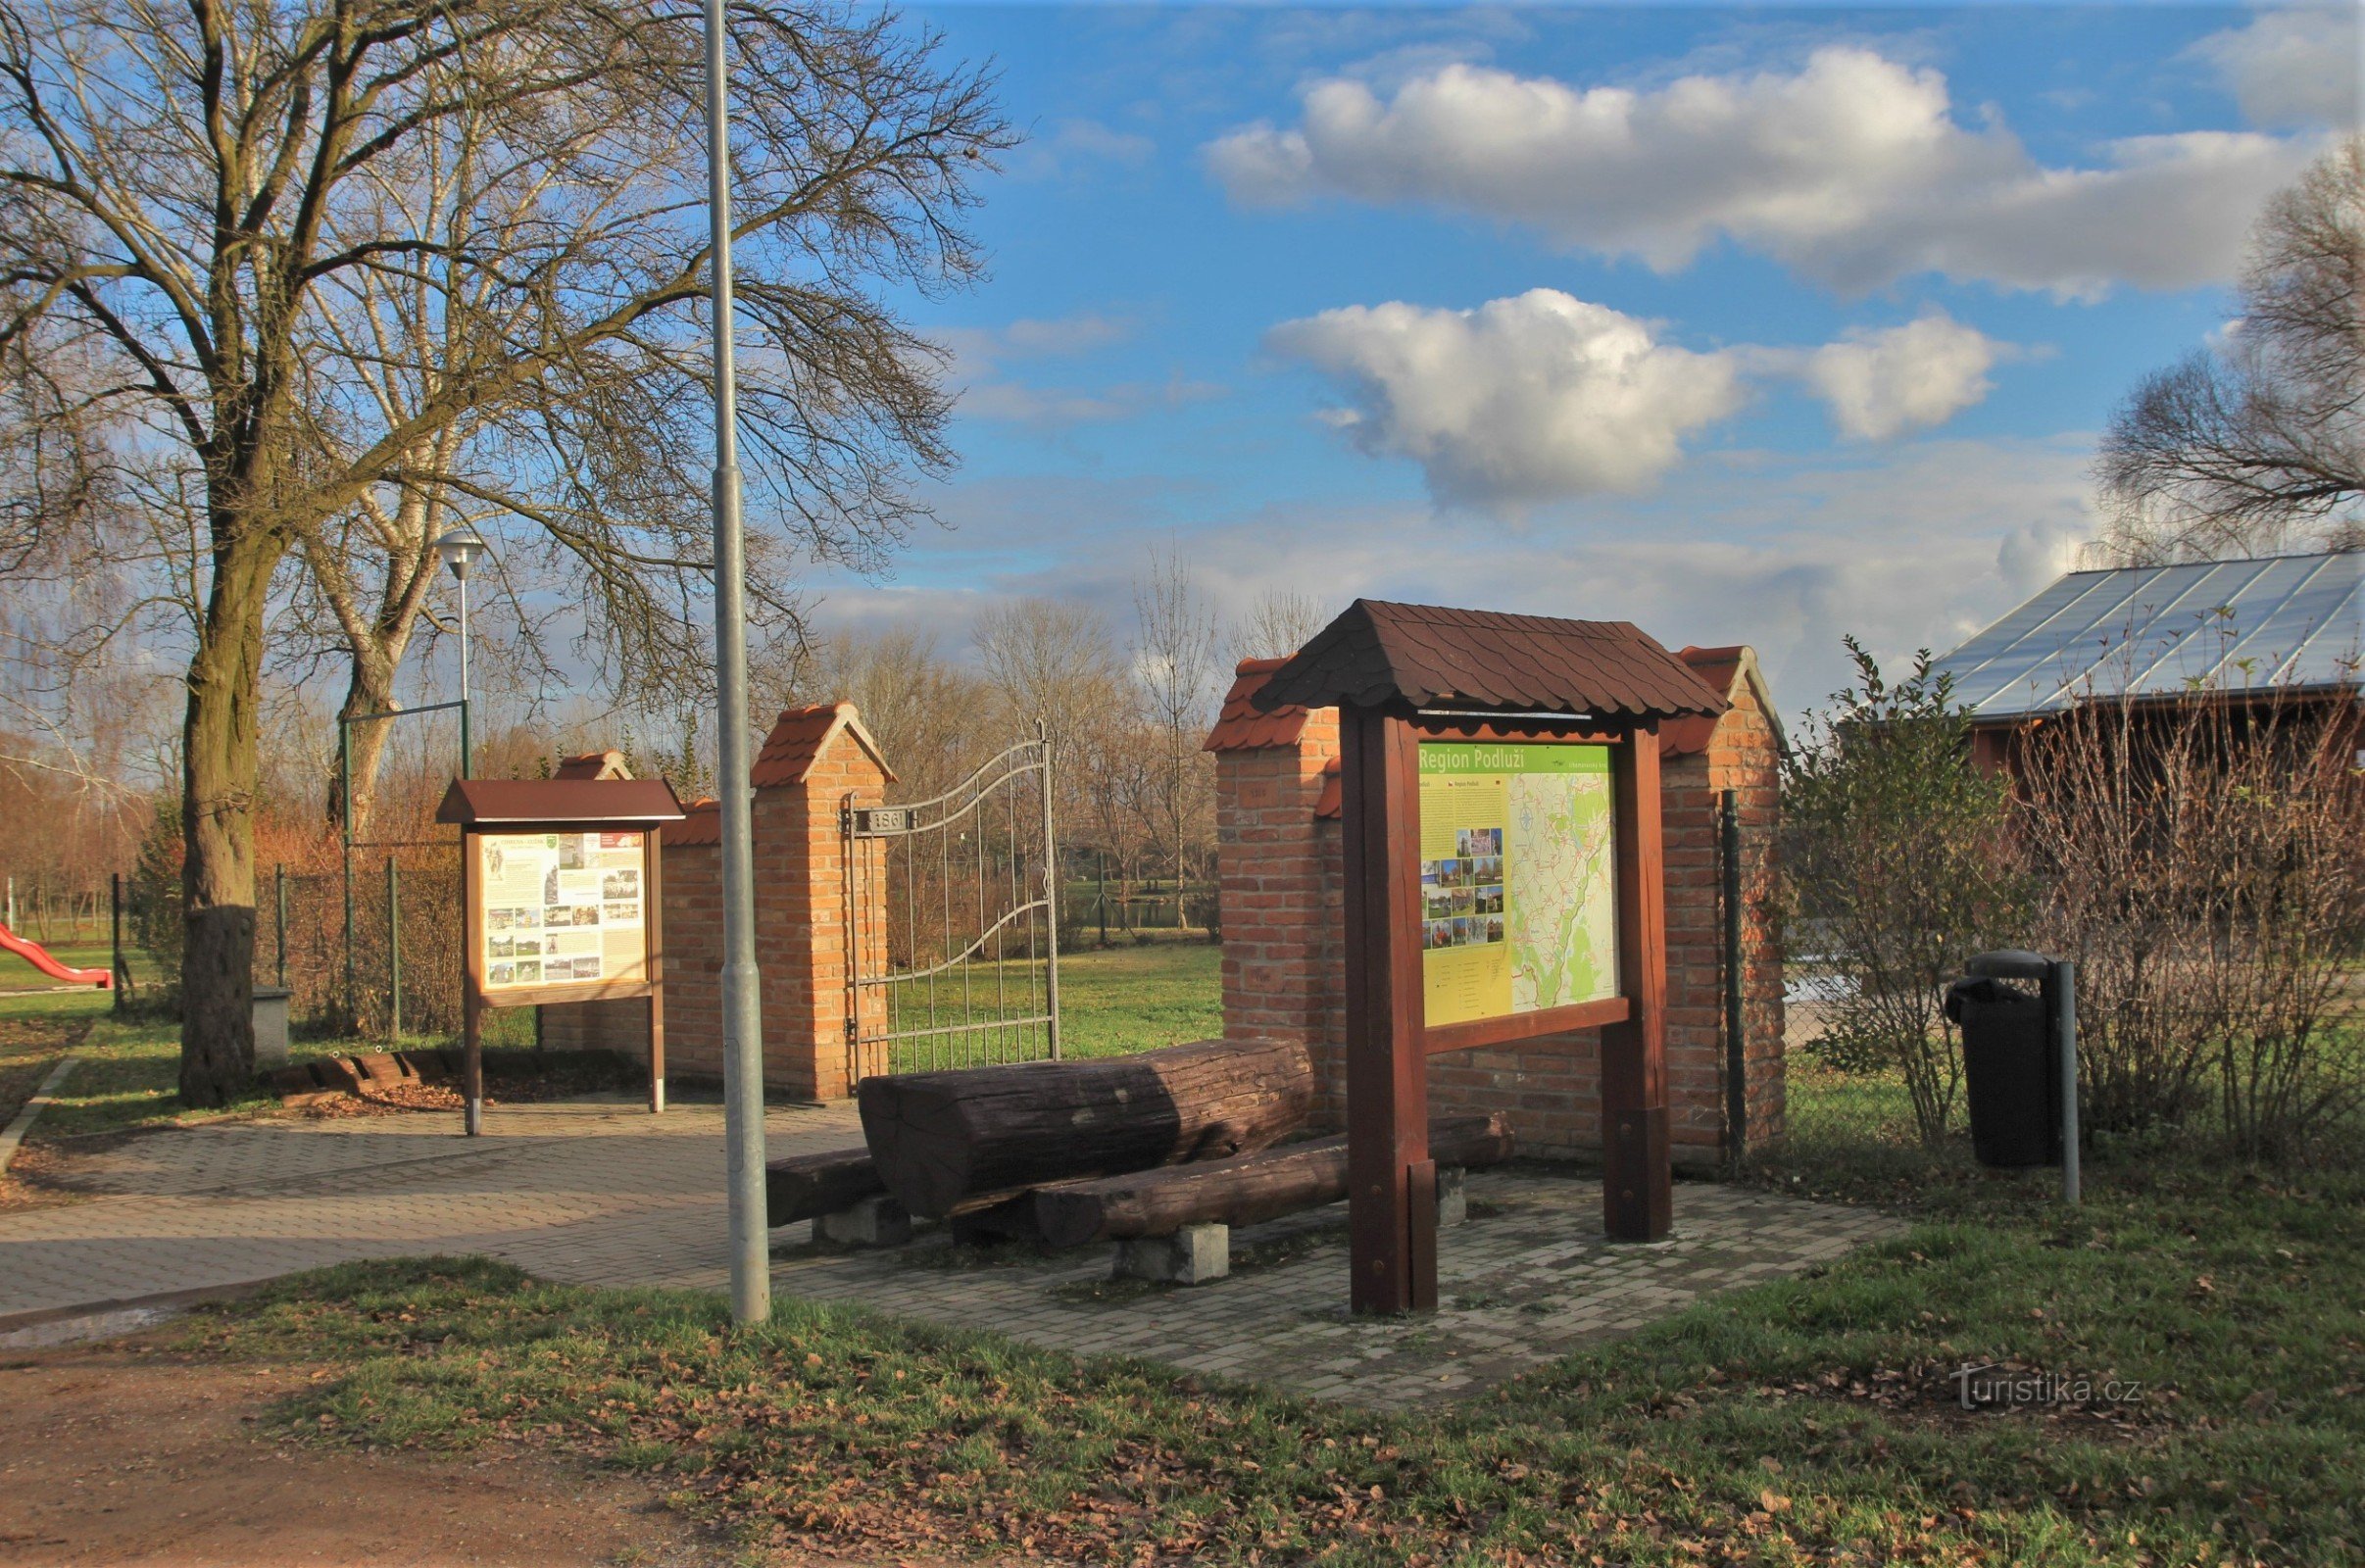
[{"x": 1747, "y": 325}]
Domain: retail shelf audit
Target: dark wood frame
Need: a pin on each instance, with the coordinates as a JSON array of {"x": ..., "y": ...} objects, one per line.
[
  {"x": 1392, "y": 1181},
  {"x": 474, "y": 1001}
]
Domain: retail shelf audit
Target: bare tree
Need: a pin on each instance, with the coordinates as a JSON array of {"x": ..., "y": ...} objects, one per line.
[
  {"x": 184, "y": 189},
  {"x": 1277, "y": 625},
  {"x": 2258, "y": 446},
  {"x": 1174, "y": 669},
  {"x": 1051, "y": 660}
]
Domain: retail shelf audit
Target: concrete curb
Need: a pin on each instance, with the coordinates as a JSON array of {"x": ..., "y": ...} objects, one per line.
[{"x": 33, "y": 1107}]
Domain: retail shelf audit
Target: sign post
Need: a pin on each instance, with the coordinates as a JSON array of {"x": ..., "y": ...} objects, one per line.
[
  {"x": 1504, "y": 883},
  {"x": 561, "y": 902}
]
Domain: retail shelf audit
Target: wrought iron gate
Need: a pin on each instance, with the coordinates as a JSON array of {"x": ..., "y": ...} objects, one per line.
[{"x": 952, "y": 922}]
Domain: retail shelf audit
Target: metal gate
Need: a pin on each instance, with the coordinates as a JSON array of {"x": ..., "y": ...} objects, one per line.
[{"x": 952, "y": 922}]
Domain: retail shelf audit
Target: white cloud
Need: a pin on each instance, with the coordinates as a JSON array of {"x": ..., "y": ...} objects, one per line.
[
  {"x": 1078, "y": 145},
  {"x": 1522, "y": 399},
  {"x": 1852, "y": 169},
  {"x": 1543, "y": 396},
  {"x": 981, "y": 353},
  {"x": 1881, "y": 384},
  {"x": 2293, "y": 65}
]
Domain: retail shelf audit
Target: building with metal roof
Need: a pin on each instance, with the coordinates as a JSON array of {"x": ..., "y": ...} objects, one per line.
[{"x": 2293, "y": 623}]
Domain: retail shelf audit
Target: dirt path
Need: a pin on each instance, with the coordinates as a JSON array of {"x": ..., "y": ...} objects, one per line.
[{"x": 111, "y": 1453}]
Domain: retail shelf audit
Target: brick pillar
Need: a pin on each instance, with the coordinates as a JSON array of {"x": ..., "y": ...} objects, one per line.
[
  {"x": 1275, "y": 875},
  {"x": 813, "y": 764}
]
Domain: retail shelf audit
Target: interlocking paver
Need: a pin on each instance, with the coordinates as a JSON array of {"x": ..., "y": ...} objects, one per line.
[{"x": 600, "y": 1193}]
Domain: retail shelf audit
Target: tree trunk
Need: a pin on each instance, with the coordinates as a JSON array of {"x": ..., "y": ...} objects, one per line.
[
  {"x": 221, "y": 771},
  {"x": 950, "y": 1142},
  {"x": 367, "y": 691},
  {"x": 1239, "y": 1191}
]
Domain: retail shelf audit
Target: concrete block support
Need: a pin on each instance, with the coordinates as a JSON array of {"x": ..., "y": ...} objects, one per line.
[
  {"x": 1192, "y": 1255},
  {"x": 879, "y": 1221}
]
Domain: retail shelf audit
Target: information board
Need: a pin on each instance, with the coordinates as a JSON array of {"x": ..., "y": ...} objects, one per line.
[
  {"x": 561, "y": 909},
  {"x": 1518, "y": 882}
]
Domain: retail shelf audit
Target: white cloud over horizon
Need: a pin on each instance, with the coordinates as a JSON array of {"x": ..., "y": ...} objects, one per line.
[
  {"x": 1784, "y": 552},
  {"x": 1853, "y": 169}
]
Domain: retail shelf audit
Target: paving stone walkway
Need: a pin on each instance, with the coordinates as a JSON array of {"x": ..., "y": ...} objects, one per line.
[
  {"x": 601, "y": 1192},
  {"x": 1525, "y": 1281}
]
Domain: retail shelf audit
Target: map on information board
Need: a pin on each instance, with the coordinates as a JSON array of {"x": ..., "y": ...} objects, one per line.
[
  {"x": 561, "y": 909},
  {"x": 1518, "y": 884}
]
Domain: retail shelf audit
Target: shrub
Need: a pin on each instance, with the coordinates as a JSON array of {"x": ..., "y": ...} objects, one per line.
[
  {"x": 2204, "y": 858},
  {"x": 1896, "y": 867}
]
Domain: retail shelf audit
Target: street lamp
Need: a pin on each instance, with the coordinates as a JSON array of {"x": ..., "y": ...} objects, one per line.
[
  {"x": 742, "y": 1031},
  {"x": 459, "y": 549}
]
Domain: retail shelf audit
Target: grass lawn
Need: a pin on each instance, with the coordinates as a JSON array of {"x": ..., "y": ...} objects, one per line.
[
  {"x": 1120, "y": 1000},
  {"x": 1809, "y": 1420}
]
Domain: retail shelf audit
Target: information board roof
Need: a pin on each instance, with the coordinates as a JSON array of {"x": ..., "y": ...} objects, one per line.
[
  {"x": 1487, "y": 661},
  {"x": 477, "y": 801}
]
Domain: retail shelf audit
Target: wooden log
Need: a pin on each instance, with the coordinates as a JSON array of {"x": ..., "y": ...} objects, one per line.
[
  {"x": 1242, "y": 1190},
  {"x": 950, "y": 1142},
  {"x": 809, "y": 1186}
]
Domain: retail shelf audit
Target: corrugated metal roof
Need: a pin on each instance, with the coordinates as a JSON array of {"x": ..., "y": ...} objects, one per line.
[
  {"x": 1435, "y": 657},
  {"x": 2296, "y": 621}
]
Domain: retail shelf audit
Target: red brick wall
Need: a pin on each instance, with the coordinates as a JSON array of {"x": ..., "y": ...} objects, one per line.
[{"x": 1281, "y": 873}]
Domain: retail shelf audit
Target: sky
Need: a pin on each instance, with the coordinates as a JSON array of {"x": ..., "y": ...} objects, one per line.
[{"x": 1746, "y": 326}]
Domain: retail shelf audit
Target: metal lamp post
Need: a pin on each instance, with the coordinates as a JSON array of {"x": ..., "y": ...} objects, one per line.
[
  {"x": 459, "y": 549},
  {"x": 742, "y": 1036}
]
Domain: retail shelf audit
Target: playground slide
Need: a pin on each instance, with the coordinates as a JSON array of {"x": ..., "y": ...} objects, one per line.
[{"x": 37, "y": 955}]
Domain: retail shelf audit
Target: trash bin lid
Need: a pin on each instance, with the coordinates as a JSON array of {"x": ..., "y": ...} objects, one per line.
[{"x": 2011, "y": 963}]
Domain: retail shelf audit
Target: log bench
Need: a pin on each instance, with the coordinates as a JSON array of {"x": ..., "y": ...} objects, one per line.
[{"x": 1174, "y": 1224}]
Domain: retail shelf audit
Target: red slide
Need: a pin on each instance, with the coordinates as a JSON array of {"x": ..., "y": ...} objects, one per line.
[{"x": 37, "y": 955}]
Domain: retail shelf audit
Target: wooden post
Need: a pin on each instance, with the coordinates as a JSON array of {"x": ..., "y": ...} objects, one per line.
[
  {"x": 1637, "y": 1197},
  {"x": 471, "y": 993},
  {"x": 652, "y": 932},
  {"x": 1392, "y": 1235}
]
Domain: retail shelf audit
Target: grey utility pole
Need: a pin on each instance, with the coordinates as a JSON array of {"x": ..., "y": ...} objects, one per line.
[{"x": 742, "y": 1029}]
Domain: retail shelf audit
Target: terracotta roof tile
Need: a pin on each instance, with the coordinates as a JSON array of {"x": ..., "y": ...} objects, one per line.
[
  {"x": 1242, "y": 726},
  {"x": 1725, "y": 671},
  {"x": 1332, "y": 803},
  {"x": 1435, "y": 657},
  {"x": 594, "y": 764},
  {"x": 702, "y": 825},
  {"x": 799, "y": 737}
]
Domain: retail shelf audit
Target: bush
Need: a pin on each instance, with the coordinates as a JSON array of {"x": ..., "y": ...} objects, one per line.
[
  {"x": 1897, "y": 866},
  {"x": 2204, "y": 864}
]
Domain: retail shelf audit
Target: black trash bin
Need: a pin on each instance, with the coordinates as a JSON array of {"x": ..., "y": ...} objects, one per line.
[{"x": 2011, "y": 1072}]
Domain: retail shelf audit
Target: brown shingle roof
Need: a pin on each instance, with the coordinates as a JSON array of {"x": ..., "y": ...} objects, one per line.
[
  {"x": 1243, "y": 727},
  {"x": 1434, "y": 656},
  {"x": 799, "y": 737},
  {"x": 558, "y": 799},
  {"x": 702, "y": 825}
]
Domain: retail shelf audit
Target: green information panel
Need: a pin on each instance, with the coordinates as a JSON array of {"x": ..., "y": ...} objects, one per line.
[{"x": 1517, "y": 878}]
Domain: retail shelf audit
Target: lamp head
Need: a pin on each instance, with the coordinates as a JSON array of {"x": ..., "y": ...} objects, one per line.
[{"x": 460, "y": 549}]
